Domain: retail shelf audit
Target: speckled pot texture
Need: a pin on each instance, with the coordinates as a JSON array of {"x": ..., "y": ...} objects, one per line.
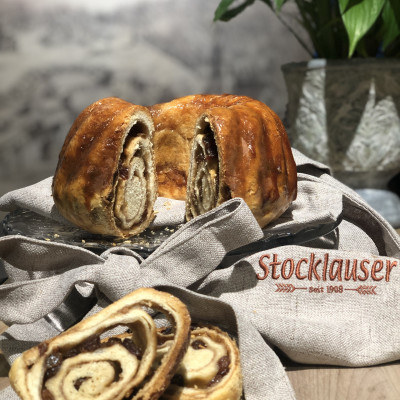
[{"x": 345, "y": 113}]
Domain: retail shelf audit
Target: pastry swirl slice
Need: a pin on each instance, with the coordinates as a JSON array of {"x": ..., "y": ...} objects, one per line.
[
  {"x": 210, "y": 369},
  {"x": 105, "y": 178},
  {"x": 241, "y": 151},
  {"x": 80, "y": 364}
]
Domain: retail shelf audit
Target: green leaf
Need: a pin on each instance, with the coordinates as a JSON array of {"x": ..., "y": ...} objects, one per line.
[
  {"x": 391, "y": 29},
  {"x": 279, "y": 4},
  {"x": 396, "y": 10},
  {"x": 358, "y": 18},
  {"x": 223, "y": 13},
  {"x": 351, "y": 3},
  {"x": 222, "y": 8}
]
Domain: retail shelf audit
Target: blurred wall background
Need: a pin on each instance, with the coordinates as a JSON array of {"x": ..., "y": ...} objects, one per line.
[{"x": 58, "y": 56}]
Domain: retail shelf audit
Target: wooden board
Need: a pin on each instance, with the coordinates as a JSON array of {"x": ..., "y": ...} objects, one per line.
[
  {"x": 373, "y": 383},
  {"x": 3, "y": 364}
]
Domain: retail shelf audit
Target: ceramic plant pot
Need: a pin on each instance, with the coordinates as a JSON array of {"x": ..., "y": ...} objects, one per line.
[{"x": 345, "y": 113}]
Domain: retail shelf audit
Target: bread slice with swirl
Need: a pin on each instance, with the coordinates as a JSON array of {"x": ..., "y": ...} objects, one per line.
[
  {"x": 210, "y": 368},
  {"x": 81, "y": 364},
  {"x": 105, "y": 179}
]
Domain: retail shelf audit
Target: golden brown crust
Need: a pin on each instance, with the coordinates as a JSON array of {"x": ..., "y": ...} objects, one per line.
[
  {"x": 175, "y": 122},
  {"x": 77, "y": 367},
  {"x": 254, "y": 160},
  {"x": 92, "y": 185}
]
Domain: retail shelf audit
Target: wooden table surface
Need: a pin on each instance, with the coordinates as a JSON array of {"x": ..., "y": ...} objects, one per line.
[{"x": 332, "y": 383}]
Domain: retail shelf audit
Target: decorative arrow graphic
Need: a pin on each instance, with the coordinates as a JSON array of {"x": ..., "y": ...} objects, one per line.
[
  {"x": 363, "y": 289},
  {"x": 287, "y": 287}
]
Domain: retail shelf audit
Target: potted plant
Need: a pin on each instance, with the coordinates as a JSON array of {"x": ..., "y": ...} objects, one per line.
[
  {"x": 337, "y": 28},
  {"x": 344, "y": 103}
]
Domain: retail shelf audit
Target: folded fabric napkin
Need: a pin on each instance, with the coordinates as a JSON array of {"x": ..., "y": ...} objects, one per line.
[{"x": 321, "y": 284}]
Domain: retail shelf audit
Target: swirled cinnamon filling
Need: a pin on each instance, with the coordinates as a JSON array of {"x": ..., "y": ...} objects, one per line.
[
  {"x": 132, "y": 180},
  {"x": 54, "y": 361},
  {"x": 204, "y": 170},
  {"x": 206, "y": 362},
  {"x": 108, "y": 355}
]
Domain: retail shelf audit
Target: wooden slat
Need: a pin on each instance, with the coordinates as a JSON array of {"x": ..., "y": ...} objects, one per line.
[
  {"x": 4, "y": 367},
  {"x": 372, "y": 383}
]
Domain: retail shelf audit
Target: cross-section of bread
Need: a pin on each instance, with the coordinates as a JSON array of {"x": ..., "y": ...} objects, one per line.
[
  {"x": 89, "y": 361},
  {"x": 241, "y": 150},
  {"x": 174, "y": 123},
  {"x": 105, "y": 178},
  {"x": 210, "y": 369},
  {"x": 210, "y": 148}
]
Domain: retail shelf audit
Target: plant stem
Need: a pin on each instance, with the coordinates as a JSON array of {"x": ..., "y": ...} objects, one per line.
[{"x": 294, "y": 33}]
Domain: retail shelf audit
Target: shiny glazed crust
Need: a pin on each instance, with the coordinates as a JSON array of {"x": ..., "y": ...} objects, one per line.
[
  {"x": 88, "y": 371},
  {"x": 240, "y": 149},
  {"x": 105, "y": 179},
  {"x": 174, "y": 124},
  {"x": 108, "y": 176}
]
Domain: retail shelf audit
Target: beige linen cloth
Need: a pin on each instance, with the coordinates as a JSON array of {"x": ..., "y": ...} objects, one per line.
[{"x": 321, "y": 285}]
